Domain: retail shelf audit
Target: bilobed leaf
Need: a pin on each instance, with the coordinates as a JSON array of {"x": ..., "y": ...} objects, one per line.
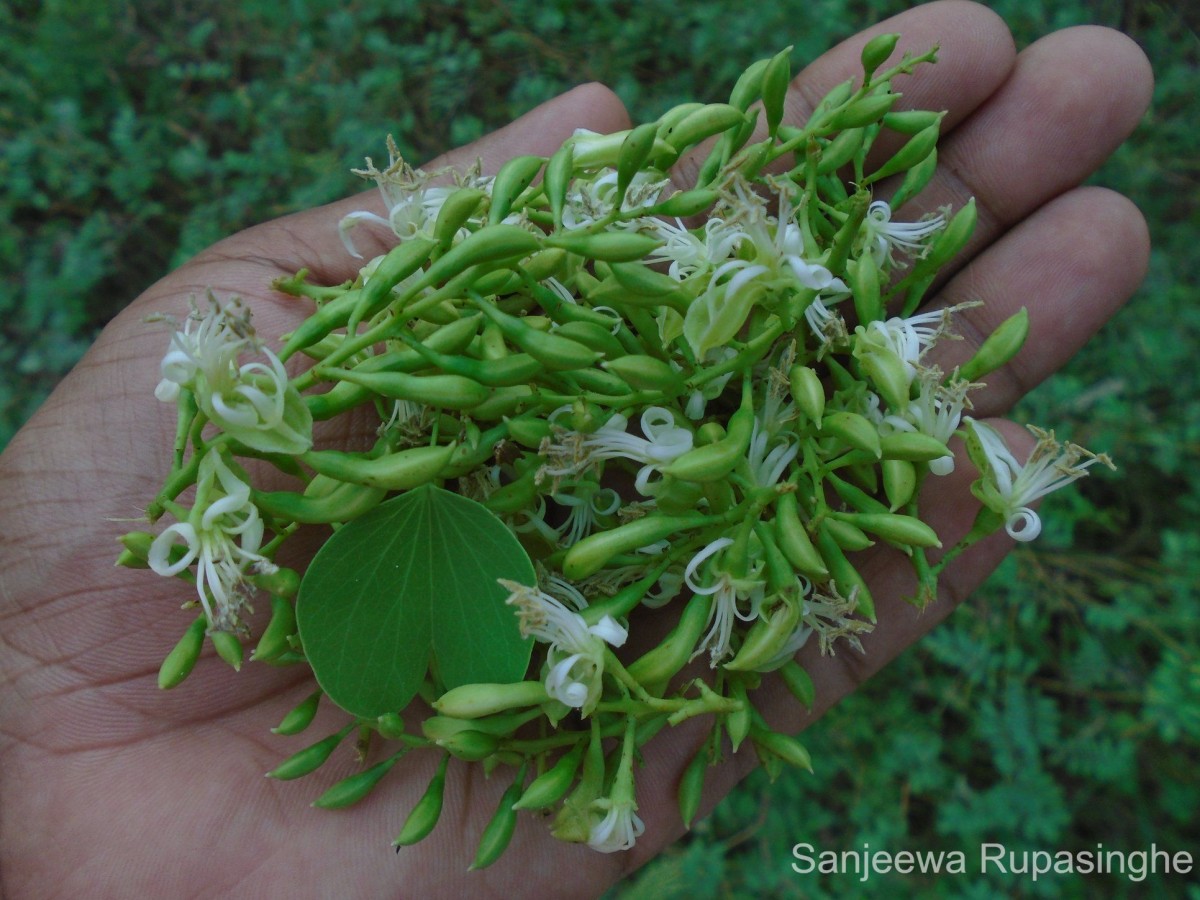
[{"x": 412, "y": 579}]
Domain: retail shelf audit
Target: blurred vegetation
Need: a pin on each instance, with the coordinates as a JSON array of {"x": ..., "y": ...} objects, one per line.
[{"x": 1058, "y": 710}]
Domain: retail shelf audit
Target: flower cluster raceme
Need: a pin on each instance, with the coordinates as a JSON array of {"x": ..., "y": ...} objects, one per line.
[{"x": 707, "y": 399}]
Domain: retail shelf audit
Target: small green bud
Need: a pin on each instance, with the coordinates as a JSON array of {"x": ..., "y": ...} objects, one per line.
[
  {"x": 787, "y": 748},
  {"x": 301, "y": 716},
  {"x": 691, "y": 786},
  {"x": 425, "y": 814},
  {"x": 999, "y": 348},
  {"x": 182, "y": 658},
  {"x": 553, "y": 784},
  {"x": 499, "y": 831},
  {"x": 876, "y": 52},
  {"x": 310, "y": 758},
  {"x": 228, "y": 647},
  {"x": 798, "y": 682},
  {"x": 350, "y": 790},
  {"x": 470, "y": 745},
  {"x": 853, "y": 430}
]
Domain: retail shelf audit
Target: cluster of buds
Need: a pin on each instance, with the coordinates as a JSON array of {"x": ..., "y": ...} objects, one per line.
[{"x": 706, "y": 400}]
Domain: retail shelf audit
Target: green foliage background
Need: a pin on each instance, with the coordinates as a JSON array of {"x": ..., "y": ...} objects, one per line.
[{"x": 1058, "y": 710}]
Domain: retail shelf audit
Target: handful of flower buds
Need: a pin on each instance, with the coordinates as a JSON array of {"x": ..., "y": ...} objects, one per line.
[{"x": 593, "y": 392}]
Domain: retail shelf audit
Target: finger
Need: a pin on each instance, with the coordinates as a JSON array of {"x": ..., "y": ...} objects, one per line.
[
  {"x": 1072, "y": 264},
  {"x": 976, "y": 56},
  {"x": 1072, "y": 98},
  {"x": 310, "y": 239}
]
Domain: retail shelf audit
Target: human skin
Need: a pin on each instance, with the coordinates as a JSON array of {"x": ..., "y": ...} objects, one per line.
[{"x": 112, "y": 788}]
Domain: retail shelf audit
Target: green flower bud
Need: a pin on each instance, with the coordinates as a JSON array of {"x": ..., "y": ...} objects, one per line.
[
  {"x": 737, "y": 723},
  {"x": 608, "y": 246},
  {"x": 301, "y": 716},
  {"x": 654, "y": 669},
  {"x": 643, "y": 280},
  {"x": 499, "y": 831},
  {"x": 794, "y": 541},
  {"x": 228, "y": 647},
  {"x": 553, "y": 784},
  {"x": 425, "y": 814},
  {"x": 848, "y": 537},
  {"x": 350, "y": 790},
  {"x": 999, "y": 348},
  {"x": 913, "y": 446},
  {"x": 915, "y": 180},
  {"x": 876, "y": 52},
  {"x": 592, "y": 553},
  {"x": 646, "y": 373},
  {"x": 847, "y": 578},
  {"x": 347, "y": 502},
  {"x": 685, "y": 203},
  {"x": 182, "y": 658},
  {"x": 514, "y": 176},
  {"x": 398, "y": 471},
  {"x": 798, "y": 682},
  {"x": 777, "y": 76},
  {"x": 862, "y": 112},
  {"x": 899, "y": 482},
  {"x": 275, "y": 637},
  {"x": 552, "y": 350},
  {"x": 710, "y": 119},
  {"x": 557, "y": 179},
  {"x": 471, "y": 746},
  {"x": 455, "y": 211},
  {"x": 634, "y": 152},
  {"x": 790, "y": 750},
  {"x": 807, "y": 391},
  {"x": 441, "y": 391},
  {"x": 853, "y": 430},
  {"x": 907, "y": 530},
  {"x": 691, "y": 786},
  {"x": 310, "y": 758},
  {"x": 914, "y": 151},
  {"x": 840, "y": 150},
  {"x": 764, "y": 640},
  {"x": 472, "y": 701},
  {"x": 748, "y": 87},
  {"x": 715, "y": 461}
]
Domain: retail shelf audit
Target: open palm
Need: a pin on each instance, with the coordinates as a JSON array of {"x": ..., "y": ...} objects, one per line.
[{"x": 111, "y": 788}]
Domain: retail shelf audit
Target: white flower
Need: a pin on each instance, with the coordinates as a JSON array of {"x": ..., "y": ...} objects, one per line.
[
  {"x": 1008, "y": 487},
  {"x": 592, "y": 200},
  {"x": 254, "y": 402},
  {"x": 686, "y": 253},
  {"x": 575, "y": 660},
  {"x": 222, "y": 535},
  {"x": 883, "y": 235},
  {"x": 662, "y": 442},
  {"x": 412, "y": 202},
  {"x": 727, "y": 592},
  {"x": 619, "y": 829},
  {"x": 907, "y": 338},
  {"x": 936, "y": 411}
]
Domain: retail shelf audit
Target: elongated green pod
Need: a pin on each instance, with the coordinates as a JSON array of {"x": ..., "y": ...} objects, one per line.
[
  {"x": 499, "y": 831},
  {"x": 854, "y": 496},
  {"x": 899, "y": 482},
  {"x": 654, "y": 669},
  {"x": 310, "y": 758},
  {"x": 301, "y": 716},
  {"x": 438, "y": 728},
  {"x": 553, "y": 784},
  {"x": 998, "y": 348},
  {"x": 592, "y": 553},
  {"x": 594, "y": 336},
  {"x": 794, "y": 541},
  {"x": 351, "y": 790},
  {"x": 518, "y": 368},
  {"x": 864, "y": 283},
  {"x": 643, "y": 280},
  {"x": 492, "y": 245},
  {"x": 182, "y": 658},
  {"x": 424, "y": 816},
  {"x": 331, "y": 315},
  {"x": 505, "y": 401},
  {"x": 398, "y": 471},
  {"x": 399, "y": 263},
  {"x": 911, "y": 121}
]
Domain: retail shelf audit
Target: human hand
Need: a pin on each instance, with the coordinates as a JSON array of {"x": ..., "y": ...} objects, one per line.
[{"x": 111, "y": 787}]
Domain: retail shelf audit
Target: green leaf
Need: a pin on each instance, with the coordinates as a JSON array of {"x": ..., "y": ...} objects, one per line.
[{"x": 412, "y": 580}]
